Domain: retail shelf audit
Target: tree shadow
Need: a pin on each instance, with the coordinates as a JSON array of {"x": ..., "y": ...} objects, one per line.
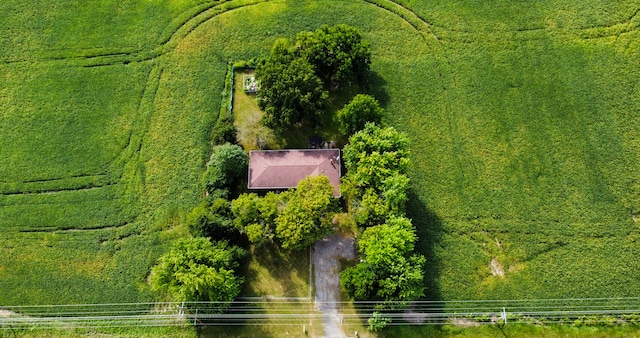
[
  {"x": 273, "y": 269},
  {"x": 429, "y": 230},
  {"x": 375, "y": 85}
]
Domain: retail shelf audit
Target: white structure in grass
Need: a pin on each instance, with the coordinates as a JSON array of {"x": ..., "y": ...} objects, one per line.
[{"x": 250, "y": 84}]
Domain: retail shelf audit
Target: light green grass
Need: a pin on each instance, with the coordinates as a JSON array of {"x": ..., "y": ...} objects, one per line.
[
  {"x": 247, "y": 116},
  {"x": 270, "y": 271}
]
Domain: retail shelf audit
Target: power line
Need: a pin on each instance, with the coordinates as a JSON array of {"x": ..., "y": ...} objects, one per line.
[{"x": 298, "y": 312}]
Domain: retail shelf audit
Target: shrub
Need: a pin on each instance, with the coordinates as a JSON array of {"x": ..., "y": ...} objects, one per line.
[
  {"x": 197, "y": 270},
  {"x": 228, "y": 162}
]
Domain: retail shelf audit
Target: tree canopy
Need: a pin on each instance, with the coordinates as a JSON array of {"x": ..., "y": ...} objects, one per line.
[
  {"x": 290, "y": 91},
  {"x": 338, "y": 53},
  {"x": 295, "y": 218},
  {"x": 389, "y": 270},
  {"x": 294, "y": 77},
  {"x": 355, "y": 114},
  {"x": 228, "y": 162},
  {"x": 376, "y": 183},
  {"x": 308, "y": 213},
  {"x": 197, "y": 270},
  {"x": 255, "y": 215}
]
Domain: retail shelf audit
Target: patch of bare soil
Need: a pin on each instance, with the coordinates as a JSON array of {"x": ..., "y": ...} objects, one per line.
[
  {"x": 496, "y": 268},
  {"x": 463, "y": 322},
  {"x": 6, "y": 313}
]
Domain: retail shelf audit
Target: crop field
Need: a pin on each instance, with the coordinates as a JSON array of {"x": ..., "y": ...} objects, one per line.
[{"x": 523, "y": 120}]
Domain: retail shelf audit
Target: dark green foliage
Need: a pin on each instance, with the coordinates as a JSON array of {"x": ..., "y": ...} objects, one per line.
[
  {"x": 197, "y": 270},
  {"x": 290, "y": 92},
  {"x": 228, "y": 162},
  {"x": 293, "y": 77},
  {"x": 389, "y": 270},
  {"x": 213, "y": 219},
  {"x": 338, "y": 53},
  {"x": 355, "y": 115},
  {"x": 308, "y": 213},
  {"x": 224, "y": 131}
]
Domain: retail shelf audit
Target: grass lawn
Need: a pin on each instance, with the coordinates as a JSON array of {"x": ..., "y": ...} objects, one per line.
[{"x": 522, "y": 117}]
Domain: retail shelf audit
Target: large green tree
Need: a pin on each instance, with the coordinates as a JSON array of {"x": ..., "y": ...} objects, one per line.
[
  {"x": 255, "y": 216},
  {"x": 197, "y": 270},
  {"x": 228, "y": 162},
  {"x": 338, "y": 53},
  {"x": 376, "y": 184},
  {"x": 308, "y": 213},
  {"x": 290, "y": 91}
]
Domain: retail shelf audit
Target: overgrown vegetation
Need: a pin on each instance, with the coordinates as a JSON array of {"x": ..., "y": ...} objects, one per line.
[
  {"x": 376, "y": 186},
  {"x": 197, "y": 270}
]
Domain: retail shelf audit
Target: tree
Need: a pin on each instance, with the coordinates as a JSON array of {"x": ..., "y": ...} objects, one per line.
[
  {"x": 308, "y": 213},
  {"x": 376, "y": 183},
  {"x": 213, "y": 219},
  {"x": 255, "y": 216},
  {"x": 228, "y": 162},
  {"x": 388, "y": 271},
  {"x": 355, "y": 114},
  {"x": 197, "y": 270},
  {"x": 338, "y": 54},
  {"x": 389, "y": 143},
  {"x": 290, "y": 92}
]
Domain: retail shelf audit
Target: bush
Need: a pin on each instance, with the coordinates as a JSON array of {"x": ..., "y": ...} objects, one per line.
[
  {"x": 224, "y": 131},
  {"x": 355, "y": 114},
  {"x": 228, "y": 162},
  {"x": 213, "y": 219},
  {"x": 197, "y": 270}
]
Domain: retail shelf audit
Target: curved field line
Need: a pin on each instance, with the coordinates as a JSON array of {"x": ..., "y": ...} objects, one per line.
[{"x": 74, "y": 185}]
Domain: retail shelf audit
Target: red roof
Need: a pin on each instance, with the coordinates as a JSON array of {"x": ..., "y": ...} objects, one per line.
[{"x": 283, "y": 169}]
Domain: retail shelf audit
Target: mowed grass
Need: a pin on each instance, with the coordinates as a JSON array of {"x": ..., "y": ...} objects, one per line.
[{"x": 523, "y": 122}]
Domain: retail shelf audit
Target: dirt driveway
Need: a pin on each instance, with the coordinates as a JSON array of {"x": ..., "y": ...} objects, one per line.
[{"x": 326, "y": 254}]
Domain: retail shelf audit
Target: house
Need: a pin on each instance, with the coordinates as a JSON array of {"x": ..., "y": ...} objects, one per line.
[{"x": 283, "y": 169}]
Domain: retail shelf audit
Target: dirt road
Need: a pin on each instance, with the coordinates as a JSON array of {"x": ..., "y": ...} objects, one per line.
[{"x": 326, "y": 254}]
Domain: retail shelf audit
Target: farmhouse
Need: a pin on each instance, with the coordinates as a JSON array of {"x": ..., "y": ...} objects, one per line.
[{"x": 283, "y": 169}]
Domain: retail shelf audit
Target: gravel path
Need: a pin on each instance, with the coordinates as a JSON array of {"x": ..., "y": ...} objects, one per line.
[{"x": 325, "y": 261}]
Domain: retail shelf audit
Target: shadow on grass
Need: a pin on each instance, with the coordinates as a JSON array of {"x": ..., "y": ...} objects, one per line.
[
  {"x": 375, "y": 86},
  {"x": 271, "y": 271},
  {"x": 429, "y": 229}
]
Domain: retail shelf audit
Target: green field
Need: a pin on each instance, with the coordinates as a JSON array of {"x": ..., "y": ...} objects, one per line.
[{"x": 523, "y": 119}]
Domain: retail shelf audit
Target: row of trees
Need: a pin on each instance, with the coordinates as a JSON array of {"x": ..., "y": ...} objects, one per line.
[
  {"x": 296, "y": 77},
  {"x": 376, "y": 185}
]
